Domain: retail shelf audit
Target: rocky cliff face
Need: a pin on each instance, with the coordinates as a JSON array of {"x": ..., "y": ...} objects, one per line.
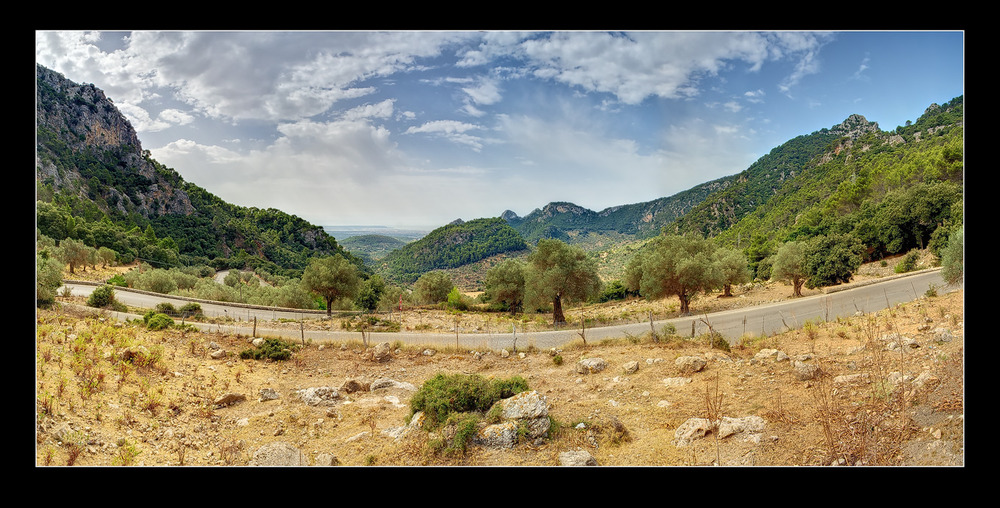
[{"x": 78, "y": 126}]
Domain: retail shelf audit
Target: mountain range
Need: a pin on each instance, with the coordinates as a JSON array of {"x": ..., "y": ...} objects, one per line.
[{"x": 91, "y": 170}]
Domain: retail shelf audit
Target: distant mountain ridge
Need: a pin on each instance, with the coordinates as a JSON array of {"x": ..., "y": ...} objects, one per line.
[{"x": 561, "y": 220}]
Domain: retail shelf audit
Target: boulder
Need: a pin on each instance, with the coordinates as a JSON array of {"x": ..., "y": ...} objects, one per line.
[{"x": 278, "y": 453}]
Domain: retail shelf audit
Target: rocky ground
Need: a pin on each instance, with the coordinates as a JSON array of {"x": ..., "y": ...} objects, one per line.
[{"x": 884, "y": 389}]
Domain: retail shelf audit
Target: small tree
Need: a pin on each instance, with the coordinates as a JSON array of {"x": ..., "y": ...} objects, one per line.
[
  {"x": 557, "y": 272},
  {"x": 332, "y": 278},
  {"x": 790, "y": 265},
  {"x": 106, "y": 255},
  {"x": 370, "y": 293},
  {"x": 953, "y": 257},
  {"x": 674, "y": 265},
  {"x": 733, "y": 269},
  {"x": 832, "y": 259},
  {"x": 505, "y": 284},
  {"x": 73, "y": 253},
  {"x": 432, "y": 287},
  {"x": 48, "y": 278}
]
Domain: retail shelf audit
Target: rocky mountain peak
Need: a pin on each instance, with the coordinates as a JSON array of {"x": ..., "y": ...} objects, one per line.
[{"x": 855, "y": 126}]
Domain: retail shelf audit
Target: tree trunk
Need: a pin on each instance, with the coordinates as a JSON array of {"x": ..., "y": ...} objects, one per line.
[
  {"x": 727, "y": 290},
  {"x": 329, "y": 304},
  {"x": 557, "y": 313},
  {"x": 685, "y": 303},
  {"x": 798, "y": 286}
]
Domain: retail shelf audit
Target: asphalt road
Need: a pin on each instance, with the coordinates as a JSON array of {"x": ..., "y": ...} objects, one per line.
[{"x": 758, "y": 320}]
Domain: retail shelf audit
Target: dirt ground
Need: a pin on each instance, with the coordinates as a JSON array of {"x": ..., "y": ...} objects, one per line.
[{"x": 95, "y": 410}]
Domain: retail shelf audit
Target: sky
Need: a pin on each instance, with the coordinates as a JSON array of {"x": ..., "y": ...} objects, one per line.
[{"x": 419, "y": 128}]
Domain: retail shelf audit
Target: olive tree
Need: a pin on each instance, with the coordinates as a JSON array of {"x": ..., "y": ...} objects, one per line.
[
  {"x": 555, "y": 272},
  {"x": 505, "y": 284},
  {"x": 672, "y": 265},
  {"x": 432, "y": 287},
  {"x": 733, "y": 269},
  {"x": 331, "y": 277},
  {"x": 953, "y": 257},
  {"x": 790, "y": 265}
]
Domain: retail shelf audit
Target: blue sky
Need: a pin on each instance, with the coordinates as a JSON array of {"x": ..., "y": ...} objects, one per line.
[{"x": 418, "y": 128}]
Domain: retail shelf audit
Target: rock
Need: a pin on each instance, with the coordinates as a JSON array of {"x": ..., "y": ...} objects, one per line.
[
  {"x": 218, "y": 354},
  {"x": 268, "y": 394},
  {"x": 258, "y": 342},
  {"x": 384, "y": 383},
  {"x": 499, "y": 435},
  {"x": 591, "y": 365},
  {"x": 693, "y": 428},
  {"x": 805, "y": 371},
  {"x": 278, "y": 453},
  {"x": 228, "y": 399},
  {"x": 674, "y": 382},
  {"x": 326, "y": 459},
  {"x": 319, "y": 396},
  {"x": 631, "y": 367},
  {"x": 577, "y": 458},
  {"x": 942, "y": 335},
  {"x": 729, "y": 426},
  {"x": 690, "y": 364},
  {"x": 860, "y": 378},
  {"x": 382, "y": 352},
  {"x": 351, "y": 386}
]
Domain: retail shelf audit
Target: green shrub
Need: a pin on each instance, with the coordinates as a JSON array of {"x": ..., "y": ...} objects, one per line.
[
  {"x": 909, "y": 262},
  {"x": 118, "y": 280},
  {"x": 190, "y": 309},
  {"x": 271, "y": 349},
  {"x": 102, "y": 296},
  {"x": 166, "y": 308},
  {"x": 157, "y": 321},
  {"x": 444, "y": 395}
]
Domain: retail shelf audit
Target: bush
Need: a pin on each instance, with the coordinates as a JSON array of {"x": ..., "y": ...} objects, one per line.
[
  {"x": 271, "y": 349},
  {"x": 166, "y": 308},
  {"x": 118, "y": 280},
  {"x": 102, "y": 296},
  {"x": 157, "y": 321},
  {"x": 909, "y": 262},
  {"x": 190, "y": 309},
  {"x": 444, "y": 395}
]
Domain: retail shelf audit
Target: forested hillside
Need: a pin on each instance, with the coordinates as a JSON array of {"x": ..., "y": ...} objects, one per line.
[
  {"x": 95, "y": 184},
  {"x": 371, "y": 248},
  {"x": 451, "y": 246},
  {"x": 891, "y": 191},
  {"x": 573, "y": 224}
]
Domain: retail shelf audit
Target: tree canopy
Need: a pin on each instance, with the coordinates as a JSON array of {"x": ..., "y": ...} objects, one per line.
[
  {"x": 556, "y": 272},
  {"x": 674, "y": 265},
  {"x": 331, "y": 277}
]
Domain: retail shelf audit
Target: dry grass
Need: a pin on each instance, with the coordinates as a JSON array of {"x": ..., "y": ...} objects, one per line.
[{"x": 93, "y": 409}]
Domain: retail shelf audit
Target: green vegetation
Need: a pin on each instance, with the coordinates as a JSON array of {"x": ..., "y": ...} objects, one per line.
[
  {"x": 157, "y": 321},
  {"x": 432, "y": 287},
  {"x": 673, "y": 265},
  {"x": 505, "y": 285},
  {"x": 444, "y": 395},
  {"x": 332, "y": 278},
  {"x": 953, "y": 258},
  {"x": 270, "y": 349},
  {"x": 555, "y": 272},
  {"x": 101, "y": 296},
  {"x": 449, "y": 247}
]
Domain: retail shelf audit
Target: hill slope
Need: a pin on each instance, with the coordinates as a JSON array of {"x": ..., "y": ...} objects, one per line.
[
  {"x": 573, "y": 224},
  {"x": 451, "y": 246},
  {"x": 91, "y": 170}
]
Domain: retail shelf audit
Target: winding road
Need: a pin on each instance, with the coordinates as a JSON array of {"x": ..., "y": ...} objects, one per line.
[{"x": 732, "y": 324}]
